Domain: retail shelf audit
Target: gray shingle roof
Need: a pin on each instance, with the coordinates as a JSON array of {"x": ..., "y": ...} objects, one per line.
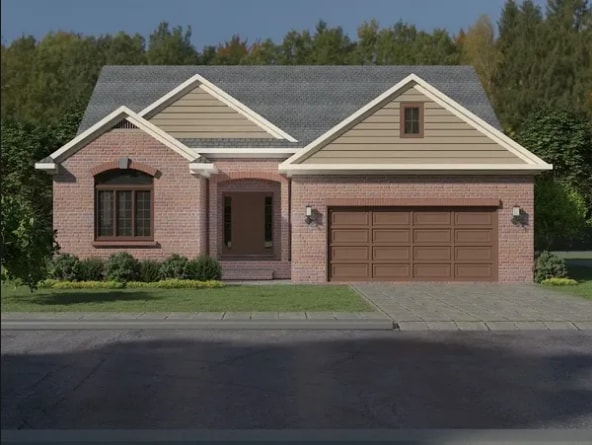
[{"x": 304, "y": 101}]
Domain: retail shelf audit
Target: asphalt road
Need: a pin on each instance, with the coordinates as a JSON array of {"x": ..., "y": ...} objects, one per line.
[{"x": 268, "y": 379}]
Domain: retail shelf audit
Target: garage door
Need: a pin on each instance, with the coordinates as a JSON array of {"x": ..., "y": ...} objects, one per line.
[{"x": 413, "y": 244}]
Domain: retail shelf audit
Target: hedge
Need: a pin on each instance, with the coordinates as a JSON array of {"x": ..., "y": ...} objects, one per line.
[{"x": 162, "y": 284}]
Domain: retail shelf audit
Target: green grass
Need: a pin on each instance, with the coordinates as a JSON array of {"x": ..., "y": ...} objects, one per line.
[
  {"x": 579, "y": 267},
  {"x": 272, "y": 298}
]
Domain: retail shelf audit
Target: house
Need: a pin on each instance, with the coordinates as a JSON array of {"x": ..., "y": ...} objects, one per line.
[{"x": 314, "y": 173}]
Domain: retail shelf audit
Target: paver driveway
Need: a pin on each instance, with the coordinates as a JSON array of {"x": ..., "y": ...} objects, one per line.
[{"x": 470, "y": 306}]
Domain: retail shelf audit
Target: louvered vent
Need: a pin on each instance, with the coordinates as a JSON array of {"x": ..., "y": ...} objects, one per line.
[{"x": 125, "y": 124}]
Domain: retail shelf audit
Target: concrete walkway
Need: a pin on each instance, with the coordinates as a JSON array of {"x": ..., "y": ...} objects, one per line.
[
  {"x": 197, "y": 320},
  {"x": 482, "y": 307}
]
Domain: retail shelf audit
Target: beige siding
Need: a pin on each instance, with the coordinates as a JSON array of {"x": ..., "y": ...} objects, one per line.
[
  {"x": 200, "y": 115},
  {"x": 447, "y": 139}
]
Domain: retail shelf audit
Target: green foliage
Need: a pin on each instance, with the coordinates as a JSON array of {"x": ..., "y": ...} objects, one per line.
[
  {"x": 203, "y": 268},
  {"x": 559, "y": 282},
  {"x": 560, "y": 213},
  {"x": 122, "y": 267},
  {"x": 547, "y": 265},
  {"x": 173, "y": 267},
  {"x": 27, "y": 242},
  {"x": 65, "y": 267},
  {"x": 91, "y": 269},
  {"x": 114, "y": 284},
  {"x": 149, "y": 271}
]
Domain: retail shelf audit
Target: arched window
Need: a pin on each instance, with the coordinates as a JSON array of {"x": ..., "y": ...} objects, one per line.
[{"x": 124, "y": 205}]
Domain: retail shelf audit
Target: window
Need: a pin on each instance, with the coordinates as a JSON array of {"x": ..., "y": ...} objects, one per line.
[
  {"x": 124, "y": 205},
  {"x": 412, "y": 120},
  {"x": 268, "y": 222},
  {"x": 228, "y": 221}
]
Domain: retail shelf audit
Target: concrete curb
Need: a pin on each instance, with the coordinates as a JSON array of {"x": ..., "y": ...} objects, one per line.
[{"x": 60, "y": 325}]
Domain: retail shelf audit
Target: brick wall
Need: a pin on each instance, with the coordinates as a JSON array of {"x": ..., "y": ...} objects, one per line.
[
  {"x": 179, "y": 197},
  {"x": 309, "y": 242}
]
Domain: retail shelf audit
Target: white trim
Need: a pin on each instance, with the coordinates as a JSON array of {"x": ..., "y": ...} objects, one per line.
[
  {"x": 433, "y": 93},
  {"x": 245, "y": 153},
  {"x": 223, "y": 97},
  {"x": 205, "y": 170},
  {"x": 49, "y": 167},
  {"x": 107, "y": 123},
  {"x": 336, "y": 169}
]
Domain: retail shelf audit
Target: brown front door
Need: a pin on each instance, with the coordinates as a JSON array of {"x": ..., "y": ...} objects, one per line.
[
  {"x": 247, "y": 225},
  {"x": 413, "y": 244}
]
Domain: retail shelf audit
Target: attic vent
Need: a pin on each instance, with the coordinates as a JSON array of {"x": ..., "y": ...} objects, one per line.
[{"x": 125, "y": 124}]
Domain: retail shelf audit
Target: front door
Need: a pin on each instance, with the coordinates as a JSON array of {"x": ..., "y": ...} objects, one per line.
[{"x": 247, "y": 224}]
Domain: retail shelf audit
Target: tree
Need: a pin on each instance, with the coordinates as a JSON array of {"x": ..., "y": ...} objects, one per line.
[
  {"x": 122, "y": 49},
  {"x": 27, "y": 242},
  {"x": 330, "y": 46},
  {"x": 560, "y": 213},
  {"x": 563, "y": 139},
  {"x": 171, "y": 46},
  {"x": 232, "y": 52},
  {"x": 479, "y": 50}
]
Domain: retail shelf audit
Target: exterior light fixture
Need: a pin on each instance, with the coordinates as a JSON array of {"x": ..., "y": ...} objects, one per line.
[
  {"x": 517, "y": 217},
  {"x": 308, "y": 215},
  {"x": 516, "y": 211}
]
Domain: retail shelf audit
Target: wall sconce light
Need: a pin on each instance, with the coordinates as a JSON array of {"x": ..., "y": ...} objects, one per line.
[
  {"x": 308, "y": 215},
  {"x": 516, "y": 215},
  {"x": 516, "y": 211}
]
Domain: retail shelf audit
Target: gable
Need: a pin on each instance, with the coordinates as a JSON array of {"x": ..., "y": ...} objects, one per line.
[
  {"x": 198, "y": 114},
  {"x": 375, "y": 139}
]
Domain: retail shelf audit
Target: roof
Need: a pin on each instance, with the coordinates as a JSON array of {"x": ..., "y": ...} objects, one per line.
[{"x": 304, "y": 101}]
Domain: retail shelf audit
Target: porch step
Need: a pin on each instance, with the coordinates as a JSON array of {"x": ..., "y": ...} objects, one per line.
[{"x": 246, "y": 273}]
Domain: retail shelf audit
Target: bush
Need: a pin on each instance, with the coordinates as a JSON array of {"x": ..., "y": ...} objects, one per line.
[
  {"x": 205, "y": 268},
  {"x": 65, "y": 267},
  {"x": 173, "y": 267},
  {"x": 149, "y": 271},
  {"x": 559, "y": 282},
  {"x": 547, "y": 266},
  {"x": 91, "y": 269},
  {"x": 122, "y": 267},
  {"x": 163, "y": 284}
]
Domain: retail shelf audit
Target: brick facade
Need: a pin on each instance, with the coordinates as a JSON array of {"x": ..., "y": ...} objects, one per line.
[
  {"x": 309, "y": 242},
  {"x": 188, "y": 208},
  {"x": 179, "y": 197}
]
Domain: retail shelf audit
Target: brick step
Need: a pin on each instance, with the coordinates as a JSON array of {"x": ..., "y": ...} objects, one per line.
[{"x": 246, "y": 273}]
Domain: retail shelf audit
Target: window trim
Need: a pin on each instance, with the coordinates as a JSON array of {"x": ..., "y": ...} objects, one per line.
[
  {"x": 116, "y": 188},
  {"x": 405, "y": 106}
]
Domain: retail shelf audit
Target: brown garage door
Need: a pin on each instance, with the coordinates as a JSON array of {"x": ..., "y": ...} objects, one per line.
[{"x": 413, "y": 244}]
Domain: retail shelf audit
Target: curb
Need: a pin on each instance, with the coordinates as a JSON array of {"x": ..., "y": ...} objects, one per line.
[{"x": 55, "y": 325}]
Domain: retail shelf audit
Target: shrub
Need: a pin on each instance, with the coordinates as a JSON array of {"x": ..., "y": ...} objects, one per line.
[
  {"x": 206, "y": 268},
  {"x": 65, "y": 267},
  {"x": 92, "y": 269},
  {"x": 149, "y": 271},
  {"x": 163, "y": 284},
  {"x": 51, "y": 284},
  {"x": 175, "y": 283},
  {"x": 559, "y": 282},
  {"x": 122, "y": 267},
  {"x": 173, "y": 267},
  {"x": 548, "y": 265}
]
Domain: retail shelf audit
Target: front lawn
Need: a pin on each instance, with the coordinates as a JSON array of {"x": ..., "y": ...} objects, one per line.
[
  {"x": 579, "y": 267},
  {"x": 265, "y": 298}
]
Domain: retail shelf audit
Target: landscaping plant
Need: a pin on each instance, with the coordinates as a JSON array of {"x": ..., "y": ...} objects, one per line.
[
  {"x": 547, "y": 265},
  {"x": 122, "y": 267}
]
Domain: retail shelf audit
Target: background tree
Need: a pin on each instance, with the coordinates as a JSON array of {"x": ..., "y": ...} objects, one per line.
[{"x": 171, "y": 46}]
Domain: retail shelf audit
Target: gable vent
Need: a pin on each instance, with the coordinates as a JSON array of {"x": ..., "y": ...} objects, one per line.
[{"x": 125, "y": 124}]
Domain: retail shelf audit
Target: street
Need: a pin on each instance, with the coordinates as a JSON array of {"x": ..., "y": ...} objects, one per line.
[{"x": 298, "y": 379}]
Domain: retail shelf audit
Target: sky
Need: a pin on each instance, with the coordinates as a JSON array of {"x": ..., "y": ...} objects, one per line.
[{"x": 215, "y": 21}]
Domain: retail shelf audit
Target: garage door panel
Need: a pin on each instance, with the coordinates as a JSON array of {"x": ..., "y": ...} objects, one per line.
[
  {"x": 432, "y": 218},
  {"x": 348, "y": 218},
  {"x": 391, "y": 253},
  {"x": 350, "y": 236},
  {"x": 391, "y": 218},
  {"x": 432, "y": 253},
  {"x": 393, "y": 271},
  {"x": 350, "y": 271},
  {"x": 413, "y": 244},
  {"x": 391, "y": 236},
  {"x": 473, "y": 218},
  {"x": 431, "y": 236},
  {"x": 472, "y": 236},
  {"x": 472, "y": 271},
  {"x": 350, "y": 253},
  {"x": 432, "y": 271},
  {"x": 473, "y": 253}
]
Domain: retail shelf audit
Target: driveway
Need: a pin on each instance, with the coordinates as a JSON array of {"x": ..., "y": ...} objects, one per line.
[{"x": 465, "y": 306}]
